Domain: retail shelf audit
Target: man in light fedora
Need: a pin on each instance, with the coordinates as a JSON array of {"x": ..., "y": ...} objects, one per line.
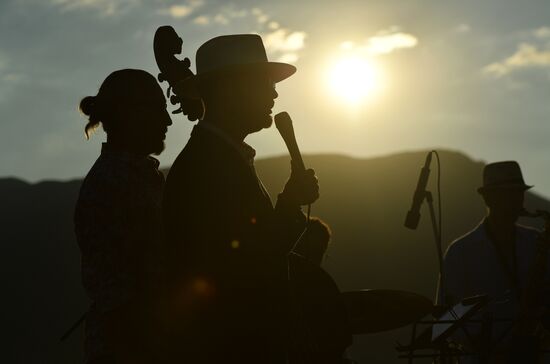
[
  {"x": 495, "y": 259},
  {"x": 228, "y": 243}
]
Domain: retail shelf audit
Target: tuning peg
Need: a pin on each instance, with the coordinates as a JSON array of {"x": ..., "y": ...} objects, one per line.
[
  {"x": 186, "y": 62},
  {"x": 178, "y": 111},
  {"x": 161, "y": 78},
  {"x": 174, "y": 99}
]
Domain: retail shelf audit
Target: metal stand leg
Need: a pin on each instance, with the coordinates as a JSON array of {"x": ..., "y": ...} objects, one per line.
[
  {"x": 485, "y": 346},
  {"x": 437, "y": 237}
]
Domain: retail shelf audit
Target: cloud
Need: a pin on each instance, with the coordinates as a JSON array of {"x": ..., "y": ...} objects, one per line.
[
  {"x": 533, "y": 52},
  {"x": 347, "y": 45},
  {"x": 178, "y": 11},
  {"x": 10, "y": 77},
  {"x": 385, "y": 42},
  {"x": 202, "y": 20},
  {"x": 182, "y": 10},
  {"x": 221, "y": 19},
  {"x": 14, "y": 78},
  {"x": 462, "y": 28},
  {"x": 261, "y": 17},
  {"x": 224, "y": 16},
  {"x": 273, "y": 25},
  {"x": 542, "y": 32},
  {"x": 288, "y": 58},
  {"x": 7, "y": 73},
  {"x": 282, "y": 40},
  {"x": 234, "y": 13},
  {"x": 104, "y": 7},
  {"x": 284, "y": 44},
  {"x": 526, "y": 56},
  {"x": 3, "y": 67}
]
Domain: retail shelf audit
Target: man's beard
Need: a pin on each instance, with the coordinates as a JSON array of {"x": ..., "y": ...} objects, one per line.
[
  {"x": 259, "y": 123},
  {"x": 158, "y": 148},
  {"x": 268, "y": 122}
]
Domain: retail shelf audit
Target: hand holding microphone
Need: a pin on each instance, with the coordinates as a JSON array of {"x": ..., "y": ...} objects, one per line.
[{"x": 302, "y": 188}]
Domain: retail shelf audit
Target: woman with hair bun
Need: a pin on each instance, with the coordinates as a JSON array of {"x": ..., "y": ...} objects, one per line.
[{"x": 117, "y": 218}]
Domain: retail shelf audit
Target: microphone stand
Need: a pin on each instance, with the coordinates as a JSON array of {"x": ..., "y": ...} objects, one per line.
[
  {"x": 437, "y": 237},
  {"x": 413, "y": 216},
  {"x": 428, "y": 197}
]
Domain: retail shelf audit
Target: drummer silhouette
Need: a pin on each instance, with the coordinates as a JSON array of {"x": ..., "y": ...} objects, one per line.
[{"x": 314, "y": 243}]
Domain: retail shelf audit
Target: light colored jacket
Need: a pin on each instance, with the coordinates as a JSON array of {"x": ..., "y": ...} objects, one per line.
[{"x": 472, "y": 266}]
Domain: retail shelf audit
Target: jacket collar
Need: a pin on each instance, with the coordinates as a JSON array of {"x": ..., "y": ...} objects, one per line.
[{"x": 245, "y": 151}]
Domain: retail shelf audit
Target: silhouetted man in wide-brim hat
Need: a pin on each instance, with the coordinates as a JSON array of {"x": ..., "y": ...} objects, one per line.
[{"x": 228, "y": 242}]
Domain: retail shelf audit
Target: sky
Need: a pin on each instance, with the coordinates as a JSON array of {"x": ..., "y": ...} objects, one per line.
[{"x": 470, "y": 76}]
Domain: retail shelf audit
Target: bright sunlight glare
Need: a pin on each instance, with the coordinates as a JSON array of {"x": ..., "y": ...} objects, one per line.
[{"x": 354, "y": 79}]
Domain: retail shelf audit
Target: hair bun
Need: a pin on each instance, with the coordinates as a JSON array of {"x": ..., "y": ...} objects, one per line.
[{"x": 87, "y": 105}]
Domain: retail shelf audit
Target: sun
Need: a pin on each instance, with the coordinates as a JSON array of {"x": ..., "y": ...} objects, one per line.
[{"x": 354, "y": 79}]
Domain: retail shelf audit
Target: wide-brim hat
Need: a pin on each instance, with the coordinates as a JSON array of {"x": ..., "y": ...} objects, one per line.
[
  {"x": 233, "y": 53},
  {"x": 501, "y": 175}
]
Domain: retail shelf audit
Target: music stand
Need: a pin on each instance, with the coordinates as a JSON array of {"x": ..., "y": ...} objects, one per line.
[{"x": 432, "y": 341}]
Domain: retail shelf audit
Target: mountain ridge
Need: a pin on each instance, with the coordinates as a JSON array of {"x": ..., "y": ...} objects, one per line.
[{"x": 364, "y": 200}]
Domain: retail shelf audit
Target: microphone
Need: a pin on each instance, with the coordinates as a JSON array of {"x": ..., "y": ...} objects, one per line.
[
  {"x": 413, "y": 216},
  {"x": 283, "y": 123}
]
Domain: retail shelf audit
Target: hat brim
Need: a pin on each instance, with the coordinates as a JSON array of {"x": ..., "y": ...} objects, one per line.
[
  {"x": 277, "y": 71},
  {"x": 503, "y": 187}
]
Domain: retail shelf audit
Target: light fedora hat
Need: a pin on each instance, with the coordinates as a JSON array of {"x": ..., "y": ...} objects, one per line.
[
  {"x": 505, "y": 174},
  {"x": 233, "y": 53}
]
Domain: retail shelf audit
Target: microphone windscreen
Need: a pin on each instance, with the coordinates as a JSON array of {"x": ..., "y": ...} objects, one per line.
[{"x": 283, "y": 123}]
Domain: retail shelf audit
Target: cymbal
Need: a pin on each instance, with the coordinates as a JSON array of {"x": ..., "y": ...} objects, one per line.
[{"x": 377, "y": 310}]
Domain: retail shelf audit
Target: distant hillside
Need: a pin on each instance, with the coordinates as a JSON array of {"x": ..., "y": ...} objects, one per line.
[{"x": 364, "y": 201}]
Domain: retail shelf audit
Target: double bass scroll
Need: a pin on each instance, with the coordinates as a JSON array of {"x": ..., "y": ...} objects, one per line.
[{"x": 166, "y": 45}]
